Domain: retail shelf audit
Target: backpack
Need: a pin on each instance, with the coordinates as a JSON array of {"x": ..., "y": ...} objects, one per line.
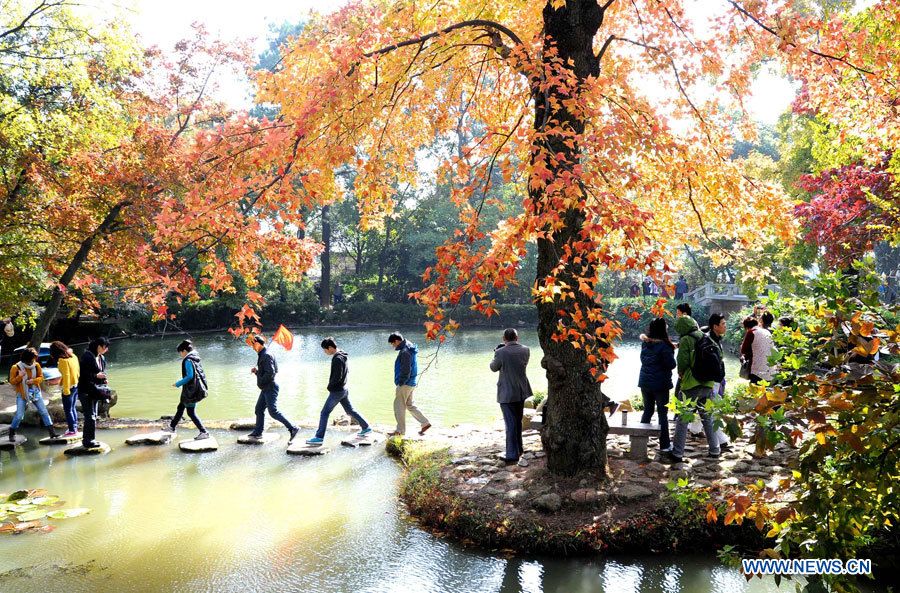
[
  {"x": 707, "y": 364},
  {"x": 197, "y": 389}
]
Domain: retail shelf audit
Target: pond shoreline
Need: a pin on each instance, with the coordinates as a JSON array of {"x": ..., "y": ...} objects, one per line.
[{"x": 455, "y": 486}]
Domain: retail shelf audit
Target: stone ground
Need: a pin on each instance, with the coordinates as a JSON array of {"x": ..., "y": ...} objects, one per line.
[{"x": 477, "y": 475}]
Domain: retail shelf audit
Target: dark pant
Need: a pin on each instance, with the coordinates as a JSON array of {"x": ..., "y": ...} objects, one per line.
[
  {"x": 68, "y": 402},
  {"x": 754, "y": 379},
  {"x": 657, "y": 399},
  {"x": 192, "y": 414},
  {"x": 335, "y": 398},
  {"x": 268, "y": 400},
  {"x": 89, "y": 408},
  {"x": 512, "y": 418}
]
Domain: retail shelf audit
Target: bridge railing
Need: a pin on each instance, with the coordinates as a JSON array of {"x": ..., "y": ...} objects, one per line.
[{"x": 711, "y": 290}]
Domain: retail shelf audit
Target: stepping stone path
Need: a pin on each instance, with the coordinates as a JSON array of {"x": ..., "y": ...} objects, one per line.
[
  {"x": 357, "y": 441},
  {"x": 160, "y": 437},
  {"x": 201, "y": 446},
  {"x": 7, "y": 445},
  {"x": 81, "y": 450},
  {"x": 302, "y": 449},
  {"x": 267, "y": 437},
  {"x": 61, "y": 440}
]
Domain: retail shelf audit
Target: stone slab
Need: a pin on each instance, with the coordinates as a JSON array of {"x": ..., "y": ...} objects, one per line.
[
  {"x": 201, "y": 446},
  {"x": 81, "y": 450},
  {"x": 267, "y": 437},
  {"x": 7, "y": 445},
  {"x": 160, "y": 437},
  {"x": 366, "y": 441},
  {"x": 61, "y": 440},
  {"x": 247, "y": 424},
  {"x": 307, "y": 450},
  {"x": 4, "y": 429}
]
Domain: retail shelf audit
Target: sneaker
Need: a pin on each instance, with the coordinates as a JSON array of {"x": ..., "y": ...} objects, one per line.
[
  {"x": 91, "y": 445},
  {"x": 315, "y": 441},
  {"x": 670, "y": 457},
  {"x": 167, "y": 426},
  {"x": 202, "y": 436},
  {"x": 424, "y": 428},
  {"x": 666, "y": 450},
  {"x": 52, "y": 433},
  {"x": 364, "y": 432},
  {"x": 713, "y": 455},
  {"x": 293, "y": 432},
  {"x": 70, "y": 433},
  {"x": 725, "y": 447},
  {"x": 522, "y": 462},
  {"x": 254, "y": 437}
]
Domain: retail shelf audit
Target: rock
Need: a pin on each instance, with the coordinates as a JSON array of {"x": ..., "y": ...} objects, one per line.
[
  {"x": 516, "y": 494},
  {"x": 467, "y": 468},
  {"x": 267, "y": 437},
  {"x": 344, "y": 420},
  {"x": 61, "y": 440},
  {"x": 4, "y": 429},
  {"x": 358, "y": 441},
  {"x": 81, "y": 450},
  {"x": 529, "y": 403},
  {"x": 740, "y": 467},
  {"x": 304, "y": 450},
  {"x": 7, "y": 445},
  {"x": 201, "y": 446},
  {"x": 629, "y": 492},
  {"x": 757, "y": 474},
  {"x": 548, "y": 503},
  {"x": 584, "y": 496},
  {"x": 732, "y": 481},
  {"x": 247, "y": 424},
  {"x": 464, "y": 460},
  {"x": 539, "y": 454},
  {"x": 502, "y": 476},
  {"x": 477, "y": 480},
  {"x": 493, "y": 491},
  {"x": 656, "y": 467},
  {"x": 489, "y": 469},
  {"x": 160, "y": 437}
]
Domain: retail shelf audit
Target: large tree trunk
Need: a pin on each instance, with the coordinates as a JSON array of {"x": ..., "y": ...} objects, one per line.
[
  {"x": 325, "y": 292},
  {"x": 575, "y": 429},
  {"x": 50, "y": 312}
]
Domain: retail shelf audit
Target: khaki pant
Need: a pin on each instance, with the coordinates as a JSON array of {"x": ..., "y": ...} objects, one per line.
[{"x": 403, "y": 401}]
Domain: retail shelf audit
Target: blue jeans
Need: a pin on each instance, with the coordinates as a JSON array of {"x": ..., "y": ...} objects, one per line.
[
  {"x": 657, "y": 399},
  {"x": 512, "y": 419},
  {"x": 701, "y": 394},
  {"x": 268, "y": 400},
  {"x": 34, "y": 396},
  {"x": 69, "y": 402},
  {"x": 335, "y": 398}
]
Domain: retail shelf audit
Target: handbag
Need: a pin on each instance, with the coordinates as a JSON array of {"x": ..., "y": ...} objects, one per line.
[
  {"x": 744, "y": 373},
  {"x": 104, "y": 393}
]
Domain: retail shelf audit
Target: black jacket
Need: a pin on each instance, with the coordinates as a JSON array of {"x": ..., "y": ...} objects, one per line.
[
  {"x": 196, "y": 389},
  {"x": 87, "y": 380},
  {"x": 338, "y": 379},
  {"x": 266, "y": 369}
]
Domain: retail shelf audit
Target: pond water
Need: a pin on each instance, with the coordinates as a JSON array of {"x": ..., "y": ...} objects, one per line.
[
  {"x": 254, "y": 519},
  {"x": 456, "y": 385}
]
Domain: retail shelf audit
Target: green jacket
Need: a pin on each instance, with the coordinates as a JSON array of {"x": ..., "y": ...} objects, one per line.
[{"x": 688, "y": 335}]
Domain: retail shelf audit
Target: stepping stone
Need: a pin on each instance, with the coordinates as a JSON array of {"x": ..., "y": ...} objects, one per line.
[
  {"x": 366, "y": 441},
  {"x": 246, "y": 424},
  {"x": 61, "y": 440},
  {"x": 7, "y": 445},
  {"x": 201, "y": 446},
  {"x": 267, "y": 437},
  {"x": 160, "y": 437},
  {"x": 81, "y": 450},
  {"x": 305, "y": 450}
]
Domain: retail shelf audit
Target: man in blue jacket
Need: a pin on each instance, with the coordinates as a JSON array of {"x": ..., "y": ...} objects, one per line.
[{"x": 406, "y": 371}]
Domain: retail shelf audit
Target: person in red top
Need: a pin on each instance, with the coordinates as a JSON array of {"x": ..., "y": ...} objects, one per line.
[{"x": 747, "y": 343}]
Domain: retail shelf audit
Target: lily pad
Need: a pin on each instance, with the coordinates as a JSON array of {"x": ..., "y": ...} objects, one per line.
[
  {"x": 32, "y": 515},
  {"x": 45, "y": 501},
  {"x": 19, "y": 508},
  {"x": 17, "y": 495},
  {"x": 68, "y": 513}
]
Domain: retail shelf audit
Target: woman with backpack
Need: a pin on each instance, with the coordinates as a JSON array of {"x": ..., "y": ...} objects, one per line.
[
  {"x": 193, "y": 389},
  {"x": 26, "y": 377},
  {"x": 655, "y": 379}
]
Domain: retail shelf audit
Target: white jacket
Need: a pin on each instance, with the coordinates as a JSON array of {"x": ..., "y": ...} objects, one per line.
[{"x": 762, "y": 349}]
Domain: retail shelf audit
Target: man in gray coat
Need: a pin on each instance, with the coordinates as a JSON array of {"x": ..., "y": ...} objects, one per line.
[{"x": 513, "y": 388}]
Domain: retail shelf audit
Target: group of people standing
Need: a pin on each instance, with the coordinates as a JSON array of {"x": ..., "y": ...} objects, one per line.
[{"x": 701, "y": 373}]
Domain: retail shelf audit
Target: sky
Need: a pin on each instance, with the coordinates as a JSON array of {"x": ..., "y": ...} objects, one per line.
[{"x": 163, "y": 22}]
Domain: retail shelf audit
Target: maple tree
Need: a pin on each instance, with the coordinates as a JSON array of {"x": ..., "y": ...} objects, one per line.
[{"x": 612, "y": 175}]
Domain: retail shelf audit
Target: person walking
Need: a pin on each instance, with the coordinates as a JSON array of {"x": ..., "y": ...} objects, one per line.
[
  {"x": 193, "y": 389},
  {"x": 513, "y": 388},
  {"x": 337, "y": 393},
  {"x": 681, "y": 288},
  {"x": 70, "y": 370},
  {"x": 92, "y": 388},
  {"x": 716, "y": 328},
  {"x": 655, "y": 378},
  {"x": 265, "y": 370},
  {"x": 761, "y": 348},
  {"x": 406, "y": 370},
  {"x": 26, "y": 378},
  {"x": 694, "y": 356}
]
